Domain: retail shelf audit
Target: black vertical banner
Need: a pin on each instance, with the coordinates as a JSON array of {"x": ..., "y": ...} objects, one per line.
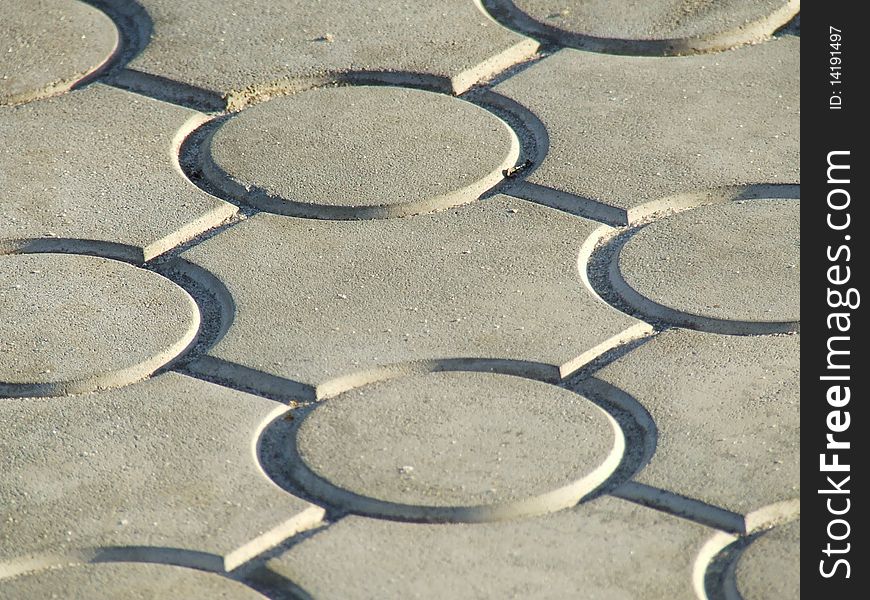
[{"x": 834, "y": 230}]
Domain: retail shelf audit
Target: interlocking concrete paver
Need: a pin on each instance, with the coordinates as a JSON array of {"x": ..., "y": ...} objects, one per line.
[
  {"x": 77, "y": 323},
  {"x": 362, "y": 151},
  {"x": 727, "y": 410},
  {"x": 719, "y": 261},
  {"x": 47, "y": 46},
  {"x": 110, "y": 581},
  {"x": 319, "y": 300},
  {"x": 716, "y": 120},
  {"x": 593, "y": 551},
  {"x": 167, "y": 463},
  {"x": 262, "y": 45},
  {"x": 458, "y": 446},
  {"x": 97, "y": 164},
  {"x": 432, "y": 268},
  {"x": 769, "y": 569},
  {"x": 653, "y": 26}
]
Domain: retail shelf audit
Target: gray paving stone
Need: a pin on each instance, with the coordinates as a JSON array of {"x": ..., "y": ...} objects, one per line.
[
  {"x": 607, "y": 549},
  {"x": 110, "y": 581},
  {"x": 727, "y": 410},
  {"x": 769, "y": 569},
  {"x": 680, "y": 26},
  {"x": 97, "y": 164},
  {"x": 458, "y": 446},
  {"x": 77, "y": 323},
  {"x": 47, "y": 46},
  {"x": 257, "y": 46},
  {"x": 361, "y": 152},
  {"x": 738, "y": 261},
  {"x": 166, "y": 464},
  {"x": 326, "y": 303},
  {"x": 716, "y": 120}
]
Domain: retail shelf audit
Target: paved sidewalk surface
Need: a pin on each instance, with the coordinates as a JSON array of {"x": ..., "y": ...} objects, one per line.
[{"x": 461, "y": 299}]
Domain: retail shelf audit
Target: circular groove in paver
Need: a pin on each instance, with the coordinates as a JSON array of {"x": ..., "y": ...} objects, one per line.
[
  {"x": 456, "y": 446},
  {"x": 769, "y": 568},
  {"x": 134, "y": 581},
  {"x": 77, "y": 323},
  {"x": 360, "y": 152},
  {"x": 47, "y": 46},
  {"x": 658, "y": 27},
  {"x": 735, "y": 263}
]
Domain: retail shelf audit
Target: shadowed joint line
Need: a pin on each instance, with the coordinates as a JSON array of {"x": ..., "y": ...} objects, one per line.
[
  {"x": 267, "y": 545},
  {"x": 276, "y": 387},
  {"x": 167, "y": 90},
  {"x": 714, "y": 571}
]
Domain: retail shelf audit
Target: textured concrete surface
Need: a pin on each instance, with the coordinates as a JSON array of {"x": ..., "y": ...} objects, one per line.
[
  {"x": 727, "y": 410},
  {"x": 257, "y": 46},
  {"x": 393, "y": 152},
  {"x": 97, "y": 164},
  {"x": 110, "y": 581},
  {"x": 720, "y": 261},
  {"x": 47, "y": 46},
  {"x": 77, "y": 323},
  {"x": 379, "y": 271},
  {"x": 717, "y": 120},
  {"x": 486, "y": 445},
  {"x": 650, "y": 27},
  {"x": 592, "y": 551},
  {"x": 166, "y": 464},
  {"x": 657, "y": 19},
  {"x": 324, "y": 299},
  {"x": 770, "y": 567}
]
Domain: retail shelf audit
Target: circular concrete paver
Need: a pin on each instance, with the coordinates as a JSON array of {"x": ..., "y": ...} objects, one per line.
[
  {"x": 360, "y": 152},
  {"x": 46, "y": 46},
  {"x": 482, "y": 446},
  {"x": 77, "y": 323},
  {"x": 687, "y": 24},
  {"x": 769, "y": 569},
  {"x": 738, "y": 261},
  {"x": 133, "y": 581}
]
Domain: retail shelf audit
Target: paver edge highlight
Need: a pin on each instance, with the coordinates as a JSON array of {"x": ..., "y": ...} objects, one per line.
[
  {"x": 254, "y": 196},
  {"x": 121, "y": 377},
  {"x": 61, "y": 86},
  {"x": 766, "y": 517}
]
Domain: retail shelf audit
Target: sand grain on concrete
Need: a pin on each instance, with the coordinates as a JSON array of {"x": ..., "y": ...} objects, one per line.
[
  {"x": 362, "y": 151},
  {"x": 132, "y": 581},
  {"x": 727, "y": 409},
  {"x": 47, "y": 46}
]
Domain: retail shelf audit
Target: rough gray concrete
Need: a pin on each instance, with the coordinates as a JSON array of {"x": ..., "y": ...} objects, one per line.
[
  {"x": 319, "y": 300},
  {"x": 592, "y": 551},
  {"x": 98, "y": 164},
  {"x": 738, "y": 261},
  {"x": 405, "y": 306},
  {"x": 727, "y": 410},
  {"x": 77, "y": 323},
  {"x": 258, "y": 46},
  {"x": 688, "y": 25},
  {"x": 131, "y": 581},
  {"x": 487, "y": 445},
  {"x": 166, "y": 464},
  {"x": 46, "y": 46},
  {"x": 393, "y": 152},
  {"x": 769, "y": 569},
  {"x": 717, "y": 120}
]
